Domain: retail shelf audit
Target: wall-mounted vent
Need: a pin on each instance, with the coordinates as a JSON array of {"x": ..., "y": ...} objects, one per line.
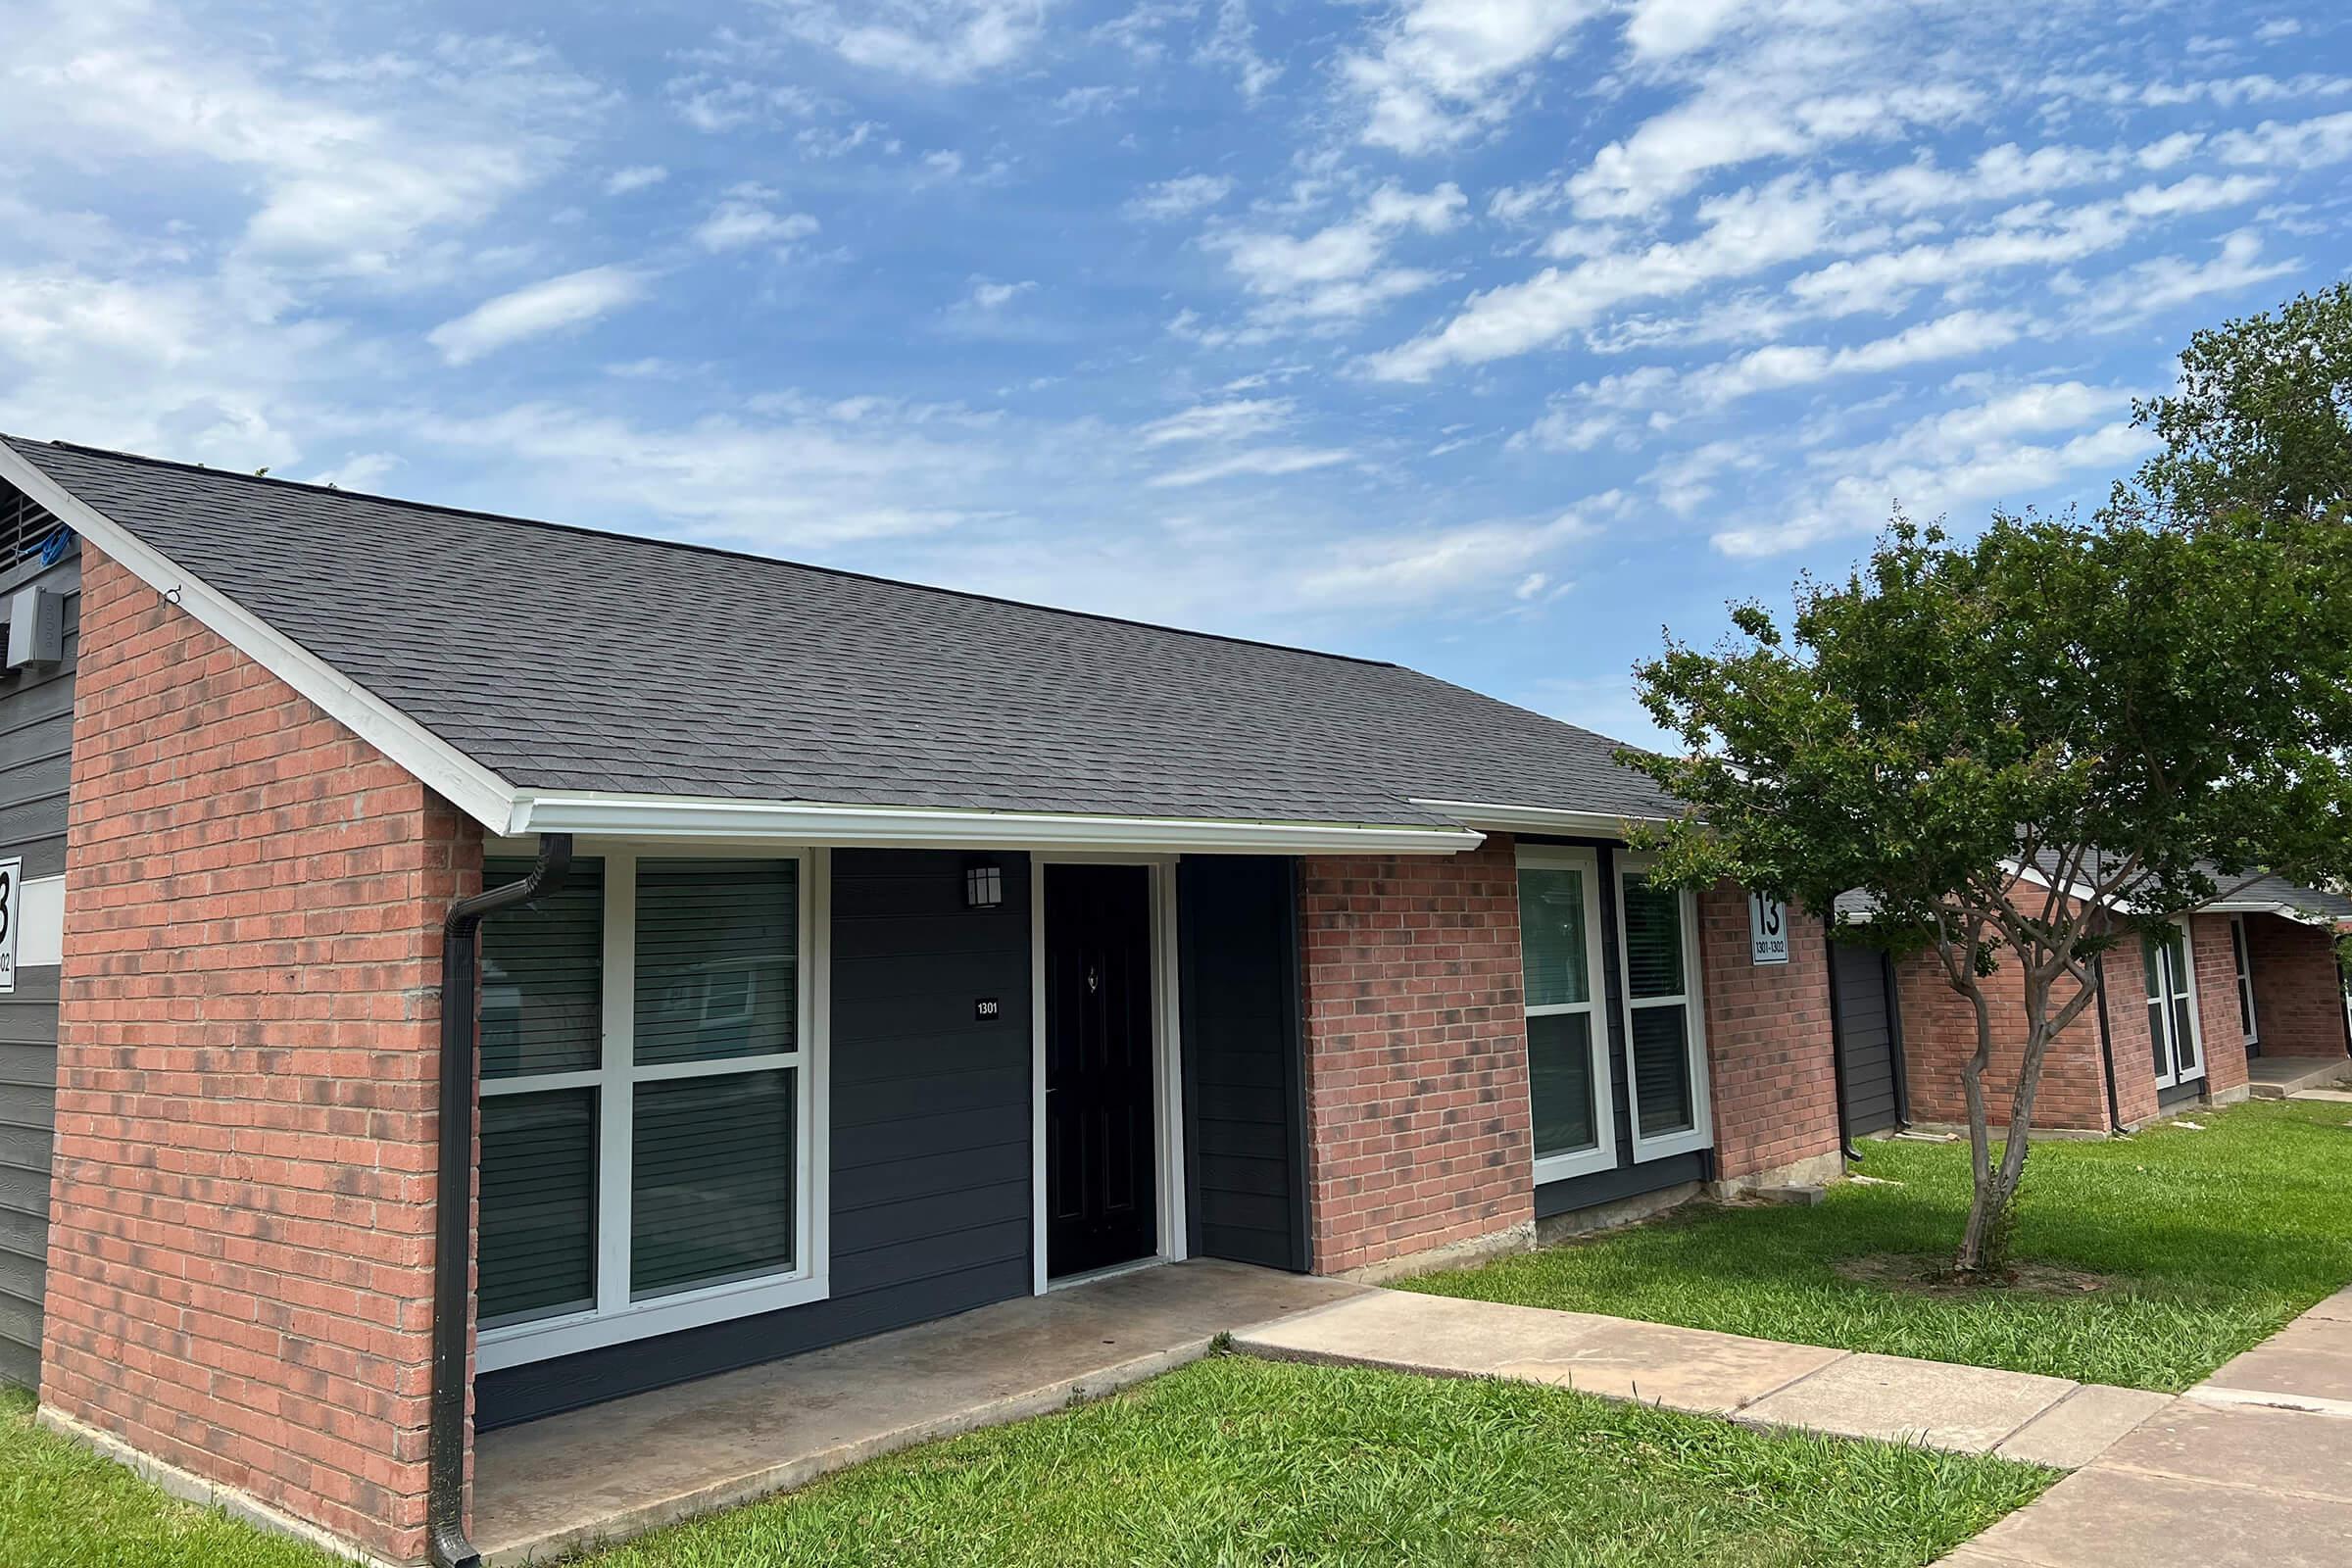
[{"x": 25, "y": 525}]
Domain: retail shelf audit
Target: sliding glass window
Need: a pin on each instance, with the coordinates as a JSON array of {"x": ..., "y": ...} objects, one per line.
[{"x": 650, "y": 1081}]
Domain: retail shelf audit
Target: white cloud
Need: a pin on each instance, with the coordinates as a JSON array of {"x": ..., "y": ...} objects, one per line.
[
  {"x": 1663, "y": 29},
  {"x": 1440, "y": 70},
  {"x": 1741, "y": 235},
  {"x": 1959, "y": 335},
  {"x": 1179, "y": 197},
  {"x": 637, "y": 176},
  {"x": 1595, "y": 411},
  {"x": 1233, "y": 43},
  {"x": 1420, "y": 568},
  {"x": 994, "y": 296},
  {"x": 2160, "y": 285},
  {"x": 536, "y": 310},
  {"x": 2275, "y": 29},
  {"x": 1336, "y": 273},
  {"x": 1235, "y": 419},
  {"x": 1256, "y": 462},
  {"x": 2297, "y": 144},
  {"x": 932, "y": 40},
  {"x": 746, "y": 219}
]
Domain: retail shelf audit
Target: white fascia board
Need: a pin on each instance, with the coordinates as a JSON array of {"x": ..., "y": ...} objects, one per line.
[
  {"x": 1538, "y": 818},
  {"x": 668, "y": 816},
  {"x": 465, "y": 783},
  {"x": 2286, "y": 912}
]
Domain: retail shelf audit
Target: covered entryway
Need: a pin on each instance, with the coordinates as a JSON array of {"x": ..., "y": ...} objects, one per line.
[
  {"x": 1101, "y": 1122},
  {"x": 1869, "y": 1034}
]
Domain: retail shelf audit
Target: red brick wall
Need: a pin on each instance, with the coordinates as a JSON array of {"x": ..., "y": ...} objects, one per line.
[
  {"x": 2298, "y": 1002},
  {"x": 2217, "y": 1021},
  {"x": 240, "y": 1260},
  {"x": 2127, "y": 1033},
  {"x": 1771, "y": 1051},
  {"x": 1416, "y": 1041},
  {"x": 1940, "y": 1036}
]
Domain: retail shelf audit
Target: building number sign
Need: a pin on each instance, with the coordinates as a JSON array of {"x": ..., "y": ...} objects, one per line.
[{"x": 1767, "y": 929}]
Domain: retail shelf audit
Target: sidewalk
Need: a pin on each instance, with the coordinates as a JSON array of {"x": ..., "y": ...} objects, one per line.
[
  {"x": 1761, "y": 1383},
  {"x": 2250, "y": 1469}
]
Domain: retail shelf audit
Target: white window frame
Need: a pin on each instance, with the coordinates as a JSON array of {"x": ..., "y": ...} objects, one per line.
[
  {"x": 2173, "y": 1077},
  {"x": 2241, "y": 961},
  {"x": 616, "y": 1319},
  {"x": 1602, "y": 1155},
  {"x": 1692, "y": 1001}
]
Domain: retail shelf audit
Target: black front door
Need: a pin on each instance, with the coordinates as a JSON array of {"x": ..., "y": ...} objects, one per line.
[{"x": 1100, "y": 1202}]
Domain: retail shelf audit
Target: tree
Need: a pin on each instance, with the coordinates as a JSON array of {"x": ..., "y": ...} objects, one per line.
[{"x": 2027, "y": 746}]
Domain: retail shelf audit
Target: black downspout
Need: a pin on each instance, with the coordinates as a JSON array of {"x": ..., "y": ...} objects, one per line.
[
  {"x": 453, "y": 1225},
  {"x": 1829, "y": 958}
]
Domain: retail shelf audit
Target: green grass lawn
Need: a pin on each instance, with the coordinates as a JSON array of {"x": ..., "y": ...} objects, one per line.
[
  {"x": 1230, "y": 1461},
  {"x": 2213, "y": 1240}
]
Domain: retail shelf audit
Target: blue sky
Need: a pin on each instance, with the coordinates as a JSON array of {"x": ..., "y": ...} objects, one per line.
[{"x": 1486, "y": 336}]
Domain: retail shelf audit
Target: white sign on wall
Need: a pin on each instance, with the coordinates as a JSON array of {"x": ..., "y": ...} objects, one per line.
[
  {"x": 11, "y": 876},
  {"x": 1767, "y": 930}
]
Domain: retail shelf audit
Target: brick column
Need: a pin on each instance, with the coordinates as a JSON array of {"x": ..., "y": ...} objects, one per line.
[
  {"x": 240, "y": 1258},
  {"x": 1772, "y": 1060},
  {"x": 1939, "y": 1035},
  {"x": 1416, "y": 1041},
  {"x": 2218, "y": 1020},
  {"x": 2298, "y": 993}
]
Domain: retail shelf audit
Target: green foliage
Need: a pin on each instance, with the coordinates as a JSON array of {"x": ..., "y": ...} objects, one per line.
[
  {"x": 2210, "y": 1243},
  {"x": 2260, "y": 424}
]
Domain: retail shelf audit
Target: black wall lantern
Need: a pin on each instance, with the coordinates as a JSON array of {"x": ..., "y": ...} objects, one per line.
[{"x": 983, "y": 885}]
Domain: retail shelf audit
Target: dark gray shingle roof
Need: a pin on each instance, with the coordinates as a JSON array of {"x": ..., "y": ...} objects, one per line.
[{"x": 565, "y": 659}]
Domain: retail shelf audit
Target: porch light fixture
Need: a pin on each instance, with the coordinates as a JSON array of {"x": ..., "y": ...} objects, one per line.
[{"x": 983, "y": 885}]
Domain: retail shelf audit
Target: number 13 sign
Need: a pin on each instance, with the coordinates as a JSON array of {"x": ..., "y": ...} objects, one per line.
[{"x": 1767, "y": 929}]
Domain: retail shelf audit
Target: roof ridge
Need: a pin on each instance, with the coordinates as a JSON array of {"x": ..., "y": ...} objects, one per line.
[{"x": 690, "y": 546}]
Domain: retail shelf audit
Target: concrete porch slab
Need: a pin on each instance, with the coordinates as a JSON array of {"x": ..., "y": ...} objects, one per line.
[
  {"x": 2277, "y": 1077},
  {"x": 554, "y": 1486},
  {"x": 1965, "y": 1408},
  {"x": 1683, "y": 1369}
]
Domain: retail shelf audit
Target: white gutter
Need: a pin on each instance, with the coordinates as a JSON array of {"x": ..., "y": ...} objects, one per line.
[
  {"x": 670, "y": 816},
  {"x": 1538, "y": 818}
]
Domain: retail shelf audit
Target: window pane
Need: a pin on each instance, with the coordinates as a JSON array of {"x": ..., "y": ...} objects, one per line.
[
  {"x": 2184, "y": 1038},
  {"x": 1552, "y": 949},
  {"x": 543, "y": 970},
  {"x": 2159, "y": 1047},
  {"x": 1559, "y": 1062},
  {"x": 711, "y": 1180},
  {"x": 1653, "y": 939},
  {"x": 717, "y": 954},
  {"x": 2245, "y": 980},
  {"x": 1662, "y": 1071},
  {"x": 537, "y": 1252}
]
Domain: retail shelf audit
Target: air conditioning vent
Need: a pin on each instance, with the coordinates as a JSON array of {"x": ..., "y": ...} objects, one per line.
[{"x": 25, "y": 525}]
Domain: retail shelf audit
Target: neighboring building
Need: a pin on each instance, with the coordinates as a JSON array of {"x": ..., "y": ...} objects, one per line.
[
  {"x": 889, "y": 952},
  {"x": 2250, "y": 982}
]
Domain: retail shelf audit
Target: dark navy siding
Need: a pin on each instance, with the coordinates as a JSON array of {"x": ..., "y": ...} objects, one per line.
[
  {"x": 930, "y": 1211},
  {"x": 1867, "y": 1066},
  {"x": 1244, "y": 1072},
  {"x": 36, "y": 736}
]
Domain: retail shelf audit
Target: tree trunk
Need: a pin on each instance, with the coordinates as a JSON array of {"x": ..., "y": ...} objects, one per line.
[{"x": 1992, "y": 1220}]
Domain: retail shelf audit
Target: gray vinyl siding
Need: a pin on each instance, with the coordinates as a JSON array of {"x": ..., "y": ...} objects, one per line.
[
  {"x": 930, "y": 1207},
  {"x": 1866, "y": 1038},
  {"x": 36, "y": 736},
  {"x": 1245, "y": 1135}
]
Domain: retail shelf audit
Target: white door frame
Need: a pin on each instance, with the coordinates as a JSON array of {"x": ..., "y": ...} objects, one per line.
[
  {"x": 2172, "y": 1077},
  {"x": 1167, "y": 1061}
]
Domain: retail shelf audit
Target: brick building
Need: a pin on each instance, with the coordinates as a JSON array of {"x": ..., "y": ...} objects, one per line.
[{"x": 498, "y": 967}]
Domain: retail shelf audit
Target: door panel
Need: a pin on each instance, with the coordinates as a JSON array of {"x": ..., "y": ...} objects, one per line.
[
  {"x": 1865, "y": 1030},
  {"x": 1102, "y": 1201}
]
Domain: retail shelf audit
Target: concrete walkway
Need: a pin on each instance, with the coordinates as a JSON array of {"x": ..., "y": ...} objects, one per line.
[
  {"x": 2251, "y": 1468},
  {"x": 551, "y": 1487},
  {"x": 1759, "y": 1383}
]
